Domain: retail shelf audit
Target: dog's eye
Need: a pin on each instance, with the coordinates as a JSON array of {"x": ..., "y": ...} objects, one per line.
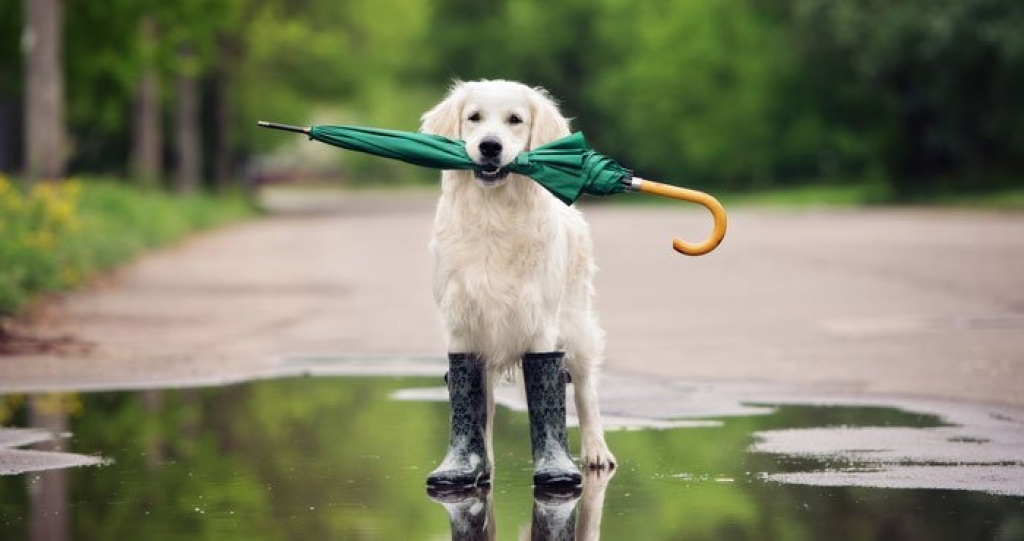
[
  {"x": 515, "y": 119},
  {"x": 475, "y": 117}
]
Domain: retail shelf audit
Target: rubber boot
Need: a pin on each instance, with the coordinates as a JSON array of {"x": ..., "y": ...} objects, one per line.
[
  {"x": 466, "y": 463},
  {"x": 545, "y": 377}
]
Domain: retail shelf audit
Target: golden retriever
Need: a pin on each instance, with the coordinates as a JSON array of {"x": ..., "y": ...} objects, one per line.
[{"x": 513, "y": 266}]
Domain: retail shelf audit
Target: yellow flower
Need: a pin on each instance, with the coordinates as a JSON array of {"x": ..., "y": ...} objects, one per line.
[
  {"x": 73, "y": 187},
  {"x": 10, "y": 197},
  {"x": 56, "y": 403},
  {"x": 70, "y": 276},
  {"x": 59, "y": 212},
  {"x": 41, "y": 191},
  {"x": 40, "y": 239}
]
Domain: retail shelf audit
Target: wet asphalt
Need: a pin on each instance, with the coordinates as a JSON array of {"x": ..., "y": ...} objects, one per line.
[{"x": 926, "y": 303}]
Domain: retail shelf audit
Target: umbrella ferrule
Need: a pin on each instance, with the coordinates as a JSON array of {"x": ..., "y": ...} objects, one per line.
[{"x": 633, "y": 184}]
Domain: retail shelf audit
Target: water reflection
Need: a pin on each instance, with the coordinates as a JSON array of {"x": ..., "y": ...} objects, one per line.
[
  {"x": 554, "y": 516},
  {"x": 559, "y": 514},
  {"x": 336, "y": 458},
  {"x": 48, "y": 495},
  {"x": 470, "y": 513}
]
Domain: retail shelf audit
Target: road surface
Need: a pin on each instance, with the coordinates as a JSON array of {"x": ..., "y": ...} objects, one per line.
[{"x": 910, "y": 302}]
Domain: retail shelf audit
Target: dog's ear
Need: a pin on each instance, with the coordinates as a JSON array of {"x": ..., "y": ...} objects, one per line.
[
  {"x": 548, "y": 122},
  {"x": 444, "y": 119}
]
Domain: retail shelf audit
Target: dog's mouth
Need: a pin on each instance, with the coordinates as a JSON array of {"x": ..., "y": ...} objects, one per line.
[{"x": 491, "y": 173}]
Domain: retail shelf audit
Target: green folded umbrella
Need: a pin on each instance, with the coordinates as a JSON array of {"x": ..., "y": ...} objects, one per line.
[{"x": 567, "y": 167}]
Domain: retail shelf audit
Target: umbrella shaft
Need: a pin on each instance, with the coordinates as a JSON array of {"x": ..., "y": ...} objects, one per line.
[{"x": 285, "y": 127}]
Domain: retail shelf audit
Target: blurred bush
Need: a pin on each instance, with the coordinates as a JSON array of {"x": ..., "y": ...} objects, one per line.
[{"x": 58, "y": 234}]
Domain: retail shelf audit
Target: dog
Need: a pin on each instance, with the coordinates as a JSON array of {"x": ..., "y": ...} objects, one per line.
[{"x": 513, "y": 265}]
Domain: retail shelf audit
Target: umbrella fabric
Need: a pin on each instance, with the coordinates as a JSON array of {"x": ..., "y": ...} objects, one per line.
[
  {"x": 416, "y": 148},
  {"x": 567, "y": 167}
]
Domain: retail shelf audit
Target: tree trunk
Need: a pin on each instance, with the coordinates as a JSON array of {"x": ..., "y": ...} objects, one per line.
[
  {"x": 222, "y": 158},
  {"x": 229, "y": 48},
  {"x": 187, "y": 137},
  {"x": 45, "y": 147},
  {"x": 147, "y": 125}
]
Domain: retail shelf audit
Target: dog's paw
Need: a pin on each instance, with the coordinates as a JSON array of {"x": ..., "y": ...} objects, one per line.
[{"x": 596, "y": 456}]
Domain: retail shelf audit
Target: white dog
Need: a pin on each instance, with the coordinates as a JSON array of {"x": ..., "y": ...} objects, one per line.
[{"x": 513, "y": 265}]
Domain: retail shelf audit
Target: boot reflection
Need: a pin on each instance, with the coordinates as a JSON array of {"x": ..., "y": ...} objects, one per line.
[
  {"x": 554, "y": 513},
  {"x": 470, "y": 512},
  {"x": 559, "y": 513},
  {"x": 570, "y": 514}
]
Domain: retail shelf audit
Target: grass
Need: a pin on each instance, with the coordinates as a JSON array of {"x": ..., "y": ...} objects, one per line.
[
  {"x": 811, "y": 196},
  {"x": 849, "y": 195},
  {"x": 56, "y": 236},
  {"x": 1009, "y": 199}
]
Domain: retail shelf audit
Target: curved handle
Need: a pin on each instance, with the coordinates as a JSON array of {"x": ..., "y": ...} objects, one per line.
[{"x": 693, "y": 196}]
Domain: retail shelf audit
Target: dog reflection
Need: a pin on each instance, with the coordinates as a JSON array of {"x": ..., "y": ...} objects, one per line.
[
  {"x": 588, "y": 524},
  {"x": 558, "y": 515}
]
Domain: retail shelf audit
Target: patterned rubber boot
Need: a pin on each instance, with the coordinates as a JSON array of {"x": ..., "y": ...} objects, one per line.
[
  {"x": 545, "y": 377},
  {"x": 466, "y": 463}
]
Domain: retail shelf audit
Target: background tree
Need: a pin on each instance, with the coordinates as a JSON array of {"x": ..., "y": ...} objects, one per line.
[
  {"x": 933, "y": 85},
  {"x": 921, "y": 95},
  {"x": 43, "y": 40},
  {"x": 147, "y": 113}
]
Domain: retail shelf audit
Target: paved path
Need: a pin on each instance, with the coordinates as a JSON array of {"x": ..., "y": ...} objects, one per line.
[{"x": 909, "y": 302}]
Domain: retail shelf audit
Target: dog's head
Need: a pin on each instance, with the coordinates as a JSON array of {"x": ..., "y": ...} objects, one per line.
[{"x": 497, "y": 120}]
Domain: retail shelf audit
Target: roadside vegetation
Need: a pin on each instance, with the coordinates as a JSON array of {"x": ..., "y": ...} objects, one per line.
[{"x": 57, "y": 235}]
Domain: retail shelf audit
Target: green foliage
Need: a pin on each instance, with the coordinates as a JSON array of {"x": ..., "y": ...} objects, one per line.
[
  {"x": 59, "y": 234},
  {"x": 704, "y": 86},
  {"x": 10, "y": 52},
  {"x": 923, "y": 95},
  {"x": 936, "y": 85}
]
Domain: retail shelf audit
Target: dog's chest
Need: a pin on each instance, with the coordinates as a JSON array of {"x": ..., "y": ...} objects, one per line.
[{"x": 495, "y": 256}]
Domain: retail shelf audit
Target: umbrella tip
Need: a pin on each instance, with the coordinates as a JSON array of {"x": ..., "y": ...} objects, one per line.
[{"x": 285, "y": 127}]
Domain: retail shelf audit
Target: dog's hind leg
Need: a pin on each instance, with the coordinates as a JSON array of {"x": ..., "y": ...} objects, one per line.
[
  {"x": 493, "y": 378},
  {"x": 594, "y": 450},
  {"x": 584, "y": 343}
]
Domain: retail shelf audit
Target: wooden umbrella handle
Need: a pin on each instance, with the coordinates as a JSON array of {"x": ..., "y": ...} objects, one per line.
[{"x": 693, "y": 196}]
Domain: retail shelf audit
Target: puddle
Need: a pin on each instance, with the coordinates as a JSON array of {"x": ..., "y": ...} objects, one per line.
[{"x": 346, "y": 458}]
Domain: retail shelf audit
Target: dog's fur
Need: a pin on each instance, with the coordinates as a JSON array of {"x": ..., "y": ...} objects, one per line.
[{"x": 513, "y": 265}]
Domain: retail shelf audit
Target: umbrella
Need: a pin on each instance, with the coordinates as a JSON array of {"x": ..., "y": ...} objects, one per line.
[{"x": 567, "y": 167}]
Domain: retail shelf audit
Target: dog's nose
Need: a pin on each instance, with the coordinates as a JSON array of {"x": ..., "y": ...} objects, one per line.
[{"x": 490, "y": 147}]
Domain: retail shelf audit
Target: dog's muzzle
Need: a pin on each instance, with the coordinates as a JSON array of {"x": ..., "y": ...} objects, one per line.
[
  {"x": 491, "y": 173},
  {"x": 490, "y": 148}
]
